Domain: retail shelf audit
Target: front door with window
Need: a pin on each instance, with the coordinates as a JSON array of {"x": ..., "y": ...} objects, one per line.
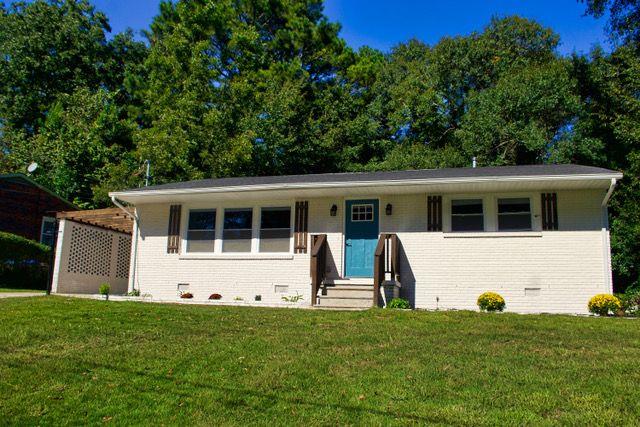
[{"x": 361, "y": 237}]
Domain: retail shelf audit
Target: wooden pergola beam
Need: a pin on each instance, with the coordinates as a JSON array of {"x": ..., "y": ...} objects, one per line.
[{"x": 111, "y": 219}]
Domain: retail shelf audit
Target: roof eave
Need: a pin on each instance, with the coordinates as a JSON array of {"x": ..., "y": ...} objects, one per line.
[{"x": 376, "y": 183}]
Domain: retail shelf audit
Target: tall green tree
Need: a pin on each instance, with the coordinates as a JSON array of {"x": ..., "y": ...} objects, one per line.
[
  {"x": 609, "y": 86},
  {"x": 624, "y": 18},
  {"x": 80, "y": 137},
  {"x": 236, "y": 87},
  {"x": 66, "y": 93}
]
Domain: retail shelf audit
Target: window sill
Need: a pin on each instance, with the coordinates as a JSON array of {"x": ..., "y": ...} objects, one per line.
[
  {"x": 247, "y": 256},
  {"x": 491, "y": 234}
]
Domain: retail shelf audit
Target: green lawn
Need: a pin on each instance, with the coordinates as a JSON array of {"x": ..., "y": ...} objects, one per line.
[
  {"x": 72, "y": 361},
  {"x": 20, "y": 290}
]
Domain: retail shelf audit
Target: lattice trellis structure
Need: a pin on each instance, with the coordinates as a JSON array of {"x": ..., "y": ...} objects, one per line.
[
  {"x": 89, "y": 251},
  {"x": 89, "y": 255},
  {"x": 124, "y": 256}
]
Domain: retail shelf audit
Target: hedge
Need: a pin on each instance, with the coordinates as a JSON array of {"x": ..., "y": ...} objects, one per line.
[
  {"x": 17, "y": 249},
  {"x": 23, "y": 262}
]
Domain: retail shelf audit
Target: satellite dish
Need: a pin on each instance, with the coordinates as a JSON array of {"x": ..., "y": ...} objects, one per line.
[{"x": 32, "y": 167}]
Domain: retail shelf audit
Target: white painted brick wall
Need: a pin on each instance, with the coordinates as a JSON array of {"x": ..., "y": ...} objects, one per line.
[{"x": 568, "y": 266}]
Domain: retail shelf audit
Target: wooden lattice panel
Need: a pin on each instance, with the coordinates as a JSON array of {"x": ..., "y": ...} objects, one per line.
[
  {"x": 124, "y": 255},
  {"x": 89, "y": 251}
]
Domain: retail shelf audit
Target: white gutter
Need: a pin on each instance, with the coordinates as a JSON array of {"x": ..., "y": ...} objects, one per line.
[
  {"x": 377, "y": 183},
  {"x": 136, "y": 220},
  {"x": 607, "y": 196}
]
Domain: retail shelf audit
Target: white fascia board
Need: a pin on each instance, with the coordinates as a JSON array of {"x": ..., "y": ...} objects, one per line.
[{"x": 377, "y": 183}]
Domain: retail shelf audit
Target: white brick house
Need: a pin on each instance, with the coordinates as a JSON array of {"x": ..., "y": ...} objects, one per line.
[{"x": 538, "y": 235}]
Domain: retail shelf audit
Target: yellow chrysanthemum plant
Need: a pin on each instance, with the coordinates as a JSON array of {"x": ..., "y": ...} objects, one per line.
[
  {"x": 604, "y": 304},
  {"x": 491, "y": 301}
]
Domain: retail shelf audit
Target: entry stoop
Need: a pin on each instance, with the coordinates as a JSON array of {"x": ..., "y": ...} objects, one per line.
[{"x": 346, "y": 294}]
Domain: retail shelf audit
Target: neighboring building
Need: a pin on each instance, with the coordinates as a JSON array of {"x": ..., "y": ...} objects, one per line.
[
  {"x": 28, "y": 209},
  {"x": 538, "y": 235}
]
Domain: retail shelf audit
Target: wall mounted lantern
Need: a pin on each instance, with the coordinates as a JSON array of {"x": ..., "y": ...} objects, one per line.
[
  {"x": 389, "y": 209},
  {"x": 334, "y": 210}
]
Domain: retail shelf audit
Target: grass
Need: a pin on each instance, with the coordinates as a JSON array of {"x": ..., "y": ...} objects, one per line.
[
  {"x": 72, "y": 361},
  {"x": 20, "y": 290}
]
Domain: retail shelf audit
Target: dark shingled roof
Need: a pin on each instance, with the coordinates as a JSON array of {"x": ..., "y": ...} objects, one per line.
[{"x": 421, "y": 174}]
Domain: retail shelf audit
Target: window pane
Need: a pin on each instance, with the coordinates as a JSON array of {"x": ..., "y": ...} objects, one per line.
[
  {"x": 275, "y": 229},
  {"x": 202, "y": 220},
  {"x": 361, "y": 213},
  {"x": 238, "y": 219},
  {"x": 200, "y": 241},
  {"x": 514, "y": 214},
  {"x": 466, "y": 207},
  {"x": 467, "y": 215},
  {"x": 236, "y": 241},
  {"x": 275, "y": 240},
  {"x": 513, "y": 205},
  {"x": 48, "y": 230},
  {"x": 275, "y": 218},
  {"x": 514, "y": 222},
  {"x": 201, "y": 233},
  {"x": 467, "y": 223}
]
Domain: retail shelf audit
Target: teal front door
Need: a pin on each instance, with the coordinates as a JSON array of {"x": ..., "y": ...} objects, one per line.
[{"x": 360, "y": 237}]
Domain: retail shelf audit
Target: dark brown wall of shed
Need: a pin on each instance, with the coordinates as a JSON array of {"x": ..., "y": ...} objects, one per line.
[{"x": 22, "y": 207}]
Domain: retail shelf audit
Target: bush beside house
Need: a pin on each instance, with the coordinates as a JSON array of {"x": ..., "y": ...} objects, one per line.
[
  {"x": 24, "y": 263},
  {"x": 491, "y": 301}
]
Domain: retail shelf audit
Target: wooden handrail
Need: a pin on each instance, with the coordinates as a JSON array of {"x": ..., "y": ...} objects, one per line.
[
  {"x": 386, "y": 260},
  {"x": 318, "y": 264}
]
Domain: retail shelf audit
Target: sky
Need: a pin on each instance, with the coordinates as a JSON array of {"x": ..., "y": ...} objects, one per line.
[{"x": 385, "y": 23}]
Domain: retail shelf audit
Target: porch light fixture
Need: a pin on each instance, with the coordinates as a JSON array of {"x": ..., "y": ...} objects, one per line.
[
  {"x": 334, "y": 210},
  {"x": 389, "y": 209}
]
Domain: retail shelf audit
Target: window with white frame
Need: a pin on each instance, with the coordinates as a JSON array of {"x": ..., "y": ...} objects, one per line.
[
  {"x": 201, "y": 230},
  {"x": 467, "y": 215},
  {"x": 362, "y": 213},
  {"x": 236, "y": 236},
  {"x": 275, "y": 229},
  {"x": 514, "y": 214},
  {"x": 48, "y": 230}
]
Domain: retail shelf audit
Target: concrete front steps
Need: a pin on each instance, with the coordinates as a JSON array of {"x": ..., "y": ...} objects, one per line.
[{"x": 346, "y": 294}]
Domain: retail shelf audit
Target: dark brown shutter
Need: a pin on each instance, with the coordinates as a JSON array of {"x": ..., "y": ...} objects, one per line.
[
  {"x": 173, "y": 239},
  {"x": 549, "y": 211},
  {"x": 300, "y": 230},
  {"x": 434, "y": 213}
]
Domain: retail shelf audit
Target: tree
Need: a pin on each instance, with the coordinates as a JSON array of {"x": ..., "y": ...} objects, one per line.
[
  {"x": 49, "y": 48},
  {"x": 624, "y": 18},
  {"x": 609, "y": 85},
  {"x": 521, "y": 118},
  {"x": 66, "y": 94},
  {"x": 82, "y": 134},
  {"x": 237, "y": 87}
]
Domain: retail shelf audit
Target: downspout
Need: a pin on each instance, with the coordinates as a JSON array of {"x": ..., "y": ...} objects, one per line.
[
  {"x": 136, "y": 220},
  {"x": 607, "y": 196},
  {"x": 606, "y": 243}
]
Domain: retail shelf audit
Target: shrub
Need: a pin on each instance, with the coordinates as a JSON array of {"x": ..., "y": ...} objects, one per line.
[
  {"x": 491, "y": 301},
  {"x": 399, "y": 303},
  {"x": 16, "y": 248},
  {"x": 630, "y": 302},
  {"x": 134, "y": 293},
  {"x": 293, "y": 298},
  {"x": 23, "y": 262},
  {"x": 104, "y": 290},
  {"x": 186, "y": 295},
  {"x": 215, "y": 296},
  {"x": 603, "y": 304}
]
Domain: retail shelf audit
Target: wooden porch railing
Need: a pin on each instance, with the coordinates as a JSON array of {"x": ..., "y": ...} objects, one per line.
[
  {"x": 386, "y": 260},
  {"x": 318, "y": 264}
]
